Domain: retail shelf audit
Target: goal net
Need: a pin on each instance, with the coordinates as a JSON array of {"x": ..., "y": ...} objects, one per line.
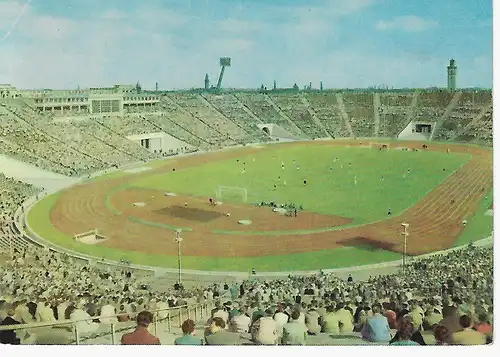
[{"x": 231, "y": 193}]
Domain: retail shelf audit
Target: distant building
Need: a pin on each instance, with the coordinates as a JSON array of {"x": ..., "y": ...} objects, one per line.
[{"x": 452, "y": 75}]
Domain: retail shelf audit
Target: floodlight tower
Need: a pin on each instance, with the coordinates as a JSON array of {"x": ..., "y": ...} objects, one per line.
[{"x": 224, "y": 62}]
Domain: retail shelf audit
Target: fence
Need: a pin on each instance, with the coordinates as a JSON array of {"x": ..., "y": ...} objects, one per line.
[{"x": 179, "y": 313}]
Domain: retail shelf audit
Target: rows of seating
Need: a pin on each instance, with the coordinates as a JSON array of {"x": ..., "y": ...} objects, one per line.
[
  {"x": 359, "y": 109},
  {"x": 262, "y": 107},
  {"x": 482, "y": 129},
  {"x": 232, "y": 108},
  {"x": 43, "y": 286},
  {"x": 295, "y": 109},
  {"x": 176, "y": 106},
  {"x": 84, "y": 144},
  {"x": 326, "y": 108},
  {"x": 468, "y": 107},
  {"x": 43, "y": 151},
  {"x": 12, "y": 194},
  {"x": 205, "y": 111},
  {"x": 394, "y": 111}
]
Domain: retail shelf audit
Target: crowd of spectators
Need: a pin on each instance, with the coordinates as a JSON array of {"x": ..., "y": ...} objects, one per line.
[
  {"x": 443, "y": 299},
  {"x": 12, "y": 194},
  {"x": 293, "y": 106}
]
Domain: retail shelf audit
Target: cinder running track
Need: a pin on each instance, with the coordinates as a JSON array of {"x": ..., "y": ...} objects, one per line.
[{"x": 435, "y": 221}]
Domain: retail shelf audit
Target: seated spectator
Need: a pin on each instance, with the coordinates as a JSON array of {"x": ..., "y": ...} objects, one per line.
[
  {"x": 483, "y": 325},
  {"x": 219, "y": 336},
  {"x": 9, "y": 337},
  {"x": 467, "y": 336},
  {"x": 331, "y": 321},
  {"x": 376, "y": 328},
  {"x": 415, "y": 336},
  {"x": 188, "y": 338},
  {"x": 141, "y": 335},
  {"x": 346, "y": 319},
  {"x": 312, "y": 321},
  {"x": 389, "y": 314},
  {"x": 294, "y": 332},
  {"x": 405, "y": 333},
  {"x": 240, "y": 322},
  {"x": 432, "y": 318},
  {"x": 281, "y": 318},
  {"x": 265, "y": 330},
  {"x": 123, "y": 315},
  {"x": 83, "y": 321},
  {"x": 450, "y": 319},
  {"x": 442, "y": 336}
]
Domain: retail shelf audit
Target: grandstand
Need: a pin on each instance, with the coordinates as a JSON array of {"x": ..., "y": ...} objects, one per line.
[{"x": 81, "y": 133}]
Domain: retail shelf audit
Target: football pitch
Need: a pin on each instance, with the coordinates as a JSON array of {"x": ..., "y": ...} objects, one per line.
[{"x": 357, "y": 183}]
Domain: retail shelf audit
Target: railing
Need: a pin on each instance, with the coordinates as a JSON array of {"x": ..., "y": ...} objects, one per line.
[{"x": 173, "y": 314}]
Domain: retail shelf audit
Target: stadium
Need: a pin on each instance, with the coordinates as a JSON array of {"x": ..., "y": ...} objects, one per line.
[{"x": 265, "y": 183}]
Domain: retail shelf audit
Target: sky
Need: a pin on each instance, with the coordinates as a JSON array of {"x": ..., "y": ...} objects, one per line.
[{"x": 344, "y": 43}]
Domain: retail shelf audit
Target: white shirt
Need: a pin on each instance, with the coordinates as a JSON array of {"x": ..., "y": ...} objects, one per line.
[
  {"x": 106, "y": 311},
  {"x": 241, "y": 323},
  {"x": 281, "y": 319},
  {"x": 266, "y": 331}
]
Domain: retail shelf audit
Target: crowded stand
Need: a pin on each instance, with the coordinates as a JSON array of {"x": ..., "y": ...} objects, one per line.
[
  {"x": 443, "y": 299},
  {"x": 469, "y": 106},
  {"x": 43, "y": 150},
  {"x": 326, "y": 109},
  {"x": 263, "y": 107},
  {"x": 394, "y": 111},
  {"x": 188, "y": 109},
  {"x": 294, "y": 108},
  {"x": 448, "y": 295},
  {"x": 12, "y": 194},
  {"x": 359, "y": 110},
  {"x": 233, "y": 109},
  {"x": 203, "y": 110}
]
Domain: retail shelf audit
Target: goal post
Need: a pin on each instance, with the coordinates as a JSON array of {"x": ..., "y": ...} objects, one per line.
[{"x": 231, "y": 193}]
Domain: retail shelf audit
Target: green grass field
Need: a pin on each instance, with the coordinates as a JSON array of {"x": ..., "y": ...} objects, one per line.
[
  {"x": 327, "y": 191},
  {"x": 361, "y": 202}
]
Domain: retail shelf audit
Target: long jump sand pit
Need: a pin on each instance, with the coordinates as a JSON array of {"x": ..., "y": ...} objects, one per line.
[{"x": 435, "y": 220}]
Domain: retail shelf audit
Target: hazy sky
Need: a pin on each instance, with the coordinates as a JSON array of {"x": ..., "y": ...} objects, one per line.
[{"x": 344, "y": 43}]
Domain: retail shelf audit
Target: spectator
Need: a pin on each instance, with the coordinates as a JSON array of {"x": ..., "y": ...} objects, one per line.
[
  {"x": 281, "y": 318},
  {"x": 376, "y": 328},
  {"x": 483, "y": 325},
  {"x": 331, "y": 321},
  {"x": 240, "y": 322},
  {"x": 405, "y": 332},
  {"x": 450, "y": 319},
  {"x": 403, "y": 323},
  {"x": 294, "y": 332},
  {"x": 219, "y": 336},
  {"x": 188, "y": 338},
  {"x": 467, "y": 336},
  {"x": 345, "y": 318},
  {"x": 265, "y": 330},
  {"x": 442, "y": 335},
  {"x": 312, "y": 321},
  {"x": 141, "y": 335},
  {"x": 9, "y": 337}
]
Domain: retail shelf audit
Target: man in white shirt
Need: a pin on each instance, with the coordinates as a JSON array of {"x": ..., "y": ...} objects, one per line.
[
  {"x": 265, "y": 330},
  {"x": 240, "y": 322},
  {"x": 45, "y": 313},
  {"x": 107, "y": 311},
  {"x": 281, "y": 319}
]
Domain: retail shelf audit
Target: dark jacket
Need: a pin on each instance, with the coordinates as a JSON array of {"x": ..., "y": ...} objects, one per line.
[{"x": 9, "y": 337}]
